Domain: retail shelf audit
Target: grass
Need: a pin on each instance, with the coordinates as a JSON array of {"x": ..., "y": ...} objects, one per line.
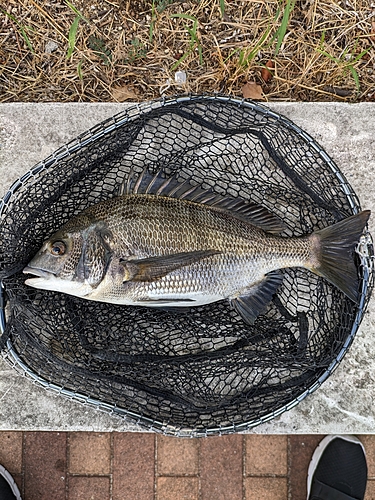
[
  {"x": 72, "y": 36},
  {"x": 194, "y": 41},
  {"x": 100, "y": 49},
  {"x": 347, "y": 60},
  {"x": 282, "y": 29},
  {"x": 22, "y": 29},
  {"x": 316, "y": 49}
]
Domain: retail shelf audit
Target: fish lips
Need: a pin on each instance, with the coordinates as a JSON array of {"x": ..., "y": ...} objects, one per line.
[
  {"x": 38, "y": 272},
  {"x": 41, "y": 277}
]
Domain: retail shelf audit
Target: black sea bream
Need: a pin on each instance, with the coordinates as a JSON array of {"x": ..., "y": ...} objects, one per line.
[{"x": 163, "y": 243}]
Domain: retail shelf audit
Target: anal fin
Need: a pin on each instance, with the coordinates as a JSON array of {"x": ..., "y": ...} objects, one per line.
[{"x": 253, "y": 303}]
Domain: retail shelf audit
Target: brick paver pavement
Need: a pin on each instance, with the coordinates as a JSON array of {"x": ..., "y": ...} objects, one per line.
[{"x": 146, "y": 466}]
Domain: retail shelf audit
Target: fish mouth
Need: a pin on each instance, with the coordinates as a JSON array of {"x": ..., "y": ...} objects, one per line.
[{"x": 38, "y": 272}]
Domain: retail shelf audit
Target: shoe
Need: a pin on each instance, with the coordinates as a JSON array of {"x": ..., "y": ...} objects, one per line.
[
  {"x": 338, "y": 470},
  {"x": 8, "y": 488}
]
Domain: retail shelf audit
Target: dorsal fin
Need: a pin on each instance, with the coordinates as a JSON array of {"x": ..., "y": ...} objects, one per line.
[{"x": 171, "y": 187}]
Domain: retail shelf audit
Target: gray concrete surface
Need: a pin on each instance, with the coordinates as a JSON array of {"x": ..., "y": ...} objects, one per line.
[{"x": 344, "y": 404}]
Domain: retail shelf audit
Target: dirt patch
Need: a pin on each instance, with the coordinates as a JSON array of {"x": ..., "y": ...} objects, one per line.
[{"x": 137, "y": 50}]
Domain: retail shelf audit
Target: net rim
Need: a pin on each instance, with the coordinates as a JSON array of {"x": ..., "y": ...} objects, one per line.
[{"x": 107, "y": 126}]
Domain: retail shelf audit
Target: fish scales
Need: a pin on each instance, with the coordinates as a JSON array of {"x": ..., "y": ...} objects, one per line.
[
  {"x": 179, "y": 249},
  {"x": 147, "y": 226}
]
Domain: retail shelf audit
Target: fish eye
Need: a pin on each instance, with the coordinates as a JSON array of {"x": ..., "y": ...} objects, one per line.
[{"x": 58, "y": 248}]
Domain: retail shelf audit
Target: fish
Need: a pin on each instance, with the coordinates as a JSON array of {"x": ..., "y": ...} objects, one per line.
[{"x": 162, "y": 242}]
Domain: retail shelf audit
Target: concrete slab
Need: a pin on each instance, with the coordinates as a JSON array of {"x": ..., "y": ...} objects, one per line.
[{"x": 344, "y": 404}]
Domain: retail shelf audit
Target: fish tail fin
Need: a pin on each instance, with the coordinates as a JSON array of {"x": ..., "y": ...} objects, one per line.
[{"x": 335, "y": 253}]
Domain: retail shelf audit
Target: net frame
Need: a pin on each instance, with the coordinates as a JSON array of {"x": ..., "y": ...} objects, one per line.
[{"x": 103, "y": 130}]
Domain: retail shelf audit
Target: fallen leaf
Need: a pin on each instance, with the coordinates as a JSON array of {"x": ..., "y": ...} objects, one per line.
[
  {"x": 252, "y": 90},
  {"x": 338, "y": 91},
  {"x": 121, "y": 94},
  {"x": 266, "y": 74}
]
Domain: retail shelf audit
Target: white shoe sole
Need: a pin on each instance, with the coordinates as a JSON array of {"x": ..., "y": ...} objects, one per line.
[
  {"x": 6, "y": 475},
  {"x": 319, "y": 451}
]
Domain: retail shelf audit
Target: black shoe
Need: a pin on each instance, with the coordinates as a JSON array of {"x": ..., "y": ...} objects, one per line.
[
  {"x": 8, "y": 488},
  {"x": 338, "y": 470}
]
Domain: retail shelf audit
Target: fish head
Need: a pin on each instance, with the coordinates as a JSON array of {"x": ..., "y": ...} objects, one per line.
[{"x": 71, "y": 261}]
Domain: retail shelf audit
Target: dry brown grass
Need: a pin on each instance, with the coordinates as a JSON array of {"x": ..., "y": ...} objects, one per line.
[{"x": 127, "y": 49}]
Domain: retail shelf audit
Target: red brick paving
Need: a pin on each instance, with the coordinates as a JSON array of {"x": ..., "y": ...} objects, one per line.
[
  {"x": 177, "y": 457},
  {"x": 266, "y": 488},
  {"x": 89, "y": 488},
  {"x": 173, "y": 488},
  {"x": 145, "y": 466},
  {"x": 369, "y": 444},
  {"x": 89, "y": 453},
  {"x": 221, "y": 460},
  {"x": 301, "y": 449},
  {"x": 11, "y": 451},
  {"x": 133, "y": 466},
  {"x": 274, "y": 457},
  {"x": 45, "y": 465}
]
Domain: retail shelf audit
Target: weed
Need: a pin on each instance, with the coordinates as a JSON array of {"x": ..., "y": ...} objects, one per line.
[
  {"x": 136, "y": 51},
  {"x": 156, "y": 6},
  {"x": 246, "y": 56},
  {"x": 224, "y": 42},
  {"x": 194, "y": 40},
  {"x": 152, "y": 23},
  {"x": 76, "y": 11},
  {"x": 163, "y": 4},
  {"x": 21, "y": 28},
  {"x": 280, "y": 33},
  {"x": 346, "y": 60},
  {"x": 222, "y": 8},
  {"x": 98, "y": 46},
  {"x": 73, "y": 29},
  {"x": 79, "y": 70}
]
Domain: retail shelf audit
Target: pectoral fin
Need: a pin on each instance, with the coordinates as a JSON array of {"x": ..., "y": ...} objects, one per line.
[
  {"x": 153, "y": 268},
  {"x": 250, "y": 305}
]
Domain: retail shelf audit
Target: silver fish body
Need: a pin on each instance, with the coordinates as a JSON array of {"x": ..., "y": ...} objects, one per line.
[{"x": 166, "y": 244}]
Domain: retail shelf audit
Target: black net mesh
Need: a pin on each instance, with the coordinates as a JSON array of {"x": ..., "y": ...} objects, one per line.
[{"x": 204, "y": 371}]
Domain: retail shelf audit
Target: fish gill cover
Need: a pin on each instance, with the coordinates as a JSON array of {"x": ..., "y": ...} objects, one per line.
[{"x": 202, "y": 371}]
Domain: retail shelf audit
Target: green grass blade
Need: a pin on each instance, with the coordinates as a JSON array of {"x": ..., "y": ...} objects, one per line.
[
  {"x": 182, "y": 59},
  {"x": 324, "y": 53},
  {"x": 260, "y": 43},
  {"x": 322, "y": 38},
  {"x": 231, "y": 55},
  {"x": 26, "y": 38},
  {"x": 280, "y": 34},
  {"x": 359, "y": 56},
  {"x": 193, "y": 33},
  {"x": 76, "y": 11},
  {"x": 194, "y": 40},
  {"x": 356, "y": 77},
  {"x": 185, "y": 16},
  {"x": 21, "y": 28},
  {"x": 72, "y": 36},
  {"x": 244, "y": 58},
  {"x": 79, "y": 70},
  {"x": 222, "y": 8},
  {"x": 152, "y": 23}
]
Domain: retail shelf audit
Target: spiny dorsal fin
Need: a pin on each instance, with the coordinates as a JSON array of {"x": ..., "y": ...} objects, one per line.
[{"x": 171, "y": 187}]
